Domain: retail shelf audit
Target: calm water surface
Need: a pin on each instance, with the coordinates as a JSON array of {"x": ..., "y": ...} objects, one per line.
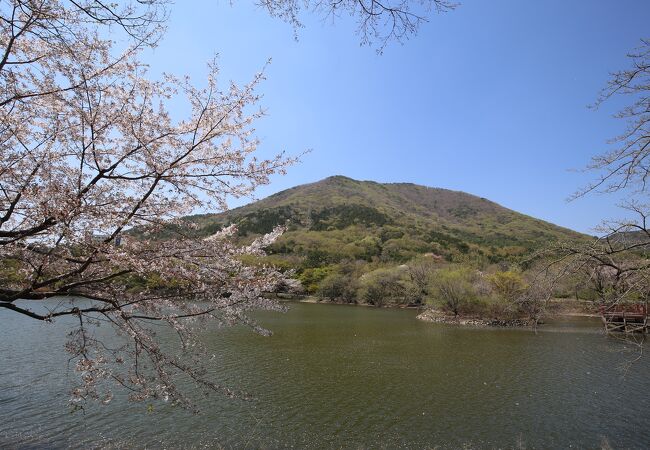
[{"x": 350, "y": 377}]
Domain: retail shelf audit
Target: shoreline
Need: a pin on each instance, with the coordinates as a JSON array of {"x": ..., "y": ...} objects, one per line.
[
  {"x": 313, "y": 299},
  {"x": 434, "y": 316}
]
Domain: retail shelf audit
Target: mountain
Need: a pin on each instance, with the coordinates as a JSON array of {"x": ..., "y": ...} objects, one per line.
[{"x": 339, "y": 219}]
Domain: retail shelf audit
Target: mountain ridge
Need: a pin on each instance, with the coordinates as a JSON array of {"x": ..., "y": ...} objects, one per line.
[{"x": 341, "y": 218}]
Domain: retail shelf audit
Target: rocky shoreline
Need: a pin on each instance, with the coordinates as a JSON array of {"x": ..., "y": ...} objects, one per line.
[{"x": 434, "y": 316}]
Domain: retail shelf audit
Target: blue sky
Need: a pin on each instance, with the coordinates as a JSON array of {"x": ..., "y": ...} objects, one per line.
[{"x": 490, "y": 99}]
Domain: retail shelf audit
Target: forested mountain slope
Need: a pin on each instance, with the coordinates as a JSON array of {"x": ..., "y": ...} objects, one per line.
[{"x": 339, "y": 218}]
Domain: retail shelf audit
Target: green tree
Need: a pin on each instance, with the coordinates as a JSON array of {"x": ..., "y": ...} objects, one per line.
[
  {"x": 508, "y": 285},
  {"x": 338, "y": 287},
  {"x": 454, "y": 290},
  {"x": 420, "y": 273},
  {"x": 383, "y": 286}
]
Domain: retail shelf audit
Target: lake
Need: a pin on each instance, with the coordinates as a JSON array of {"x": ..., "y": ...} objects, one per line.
[{"x": 335, "y": 376}]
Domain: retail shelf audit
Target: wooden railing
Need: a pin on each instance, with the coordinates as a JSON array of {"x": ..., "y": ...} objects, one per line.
[{"x": 626, "y": 318}]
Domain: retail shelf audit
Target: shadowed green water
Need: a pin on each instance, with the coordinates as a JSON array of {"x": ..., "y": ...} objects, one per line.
[{"x": 350, "y": 377}]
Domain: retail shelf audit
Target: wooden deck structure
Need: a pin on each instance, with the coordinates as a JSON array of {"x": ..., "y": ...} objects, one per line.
[{"x": 626, "y": 318}]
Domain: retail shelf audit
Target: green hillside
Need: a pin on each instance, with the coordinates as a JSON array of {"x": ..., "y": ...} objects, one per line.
[{"x": 341, "y": 219}]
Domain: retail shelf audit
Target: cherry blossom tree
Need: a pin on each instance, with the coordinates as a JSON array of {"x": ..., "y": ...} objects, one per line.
[{"x": 90, "y": 151}]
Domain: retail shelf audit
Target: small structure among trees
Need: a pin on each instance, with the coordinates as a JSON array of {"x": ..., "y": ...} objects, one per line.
[{"x": 626, "y": 318}]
